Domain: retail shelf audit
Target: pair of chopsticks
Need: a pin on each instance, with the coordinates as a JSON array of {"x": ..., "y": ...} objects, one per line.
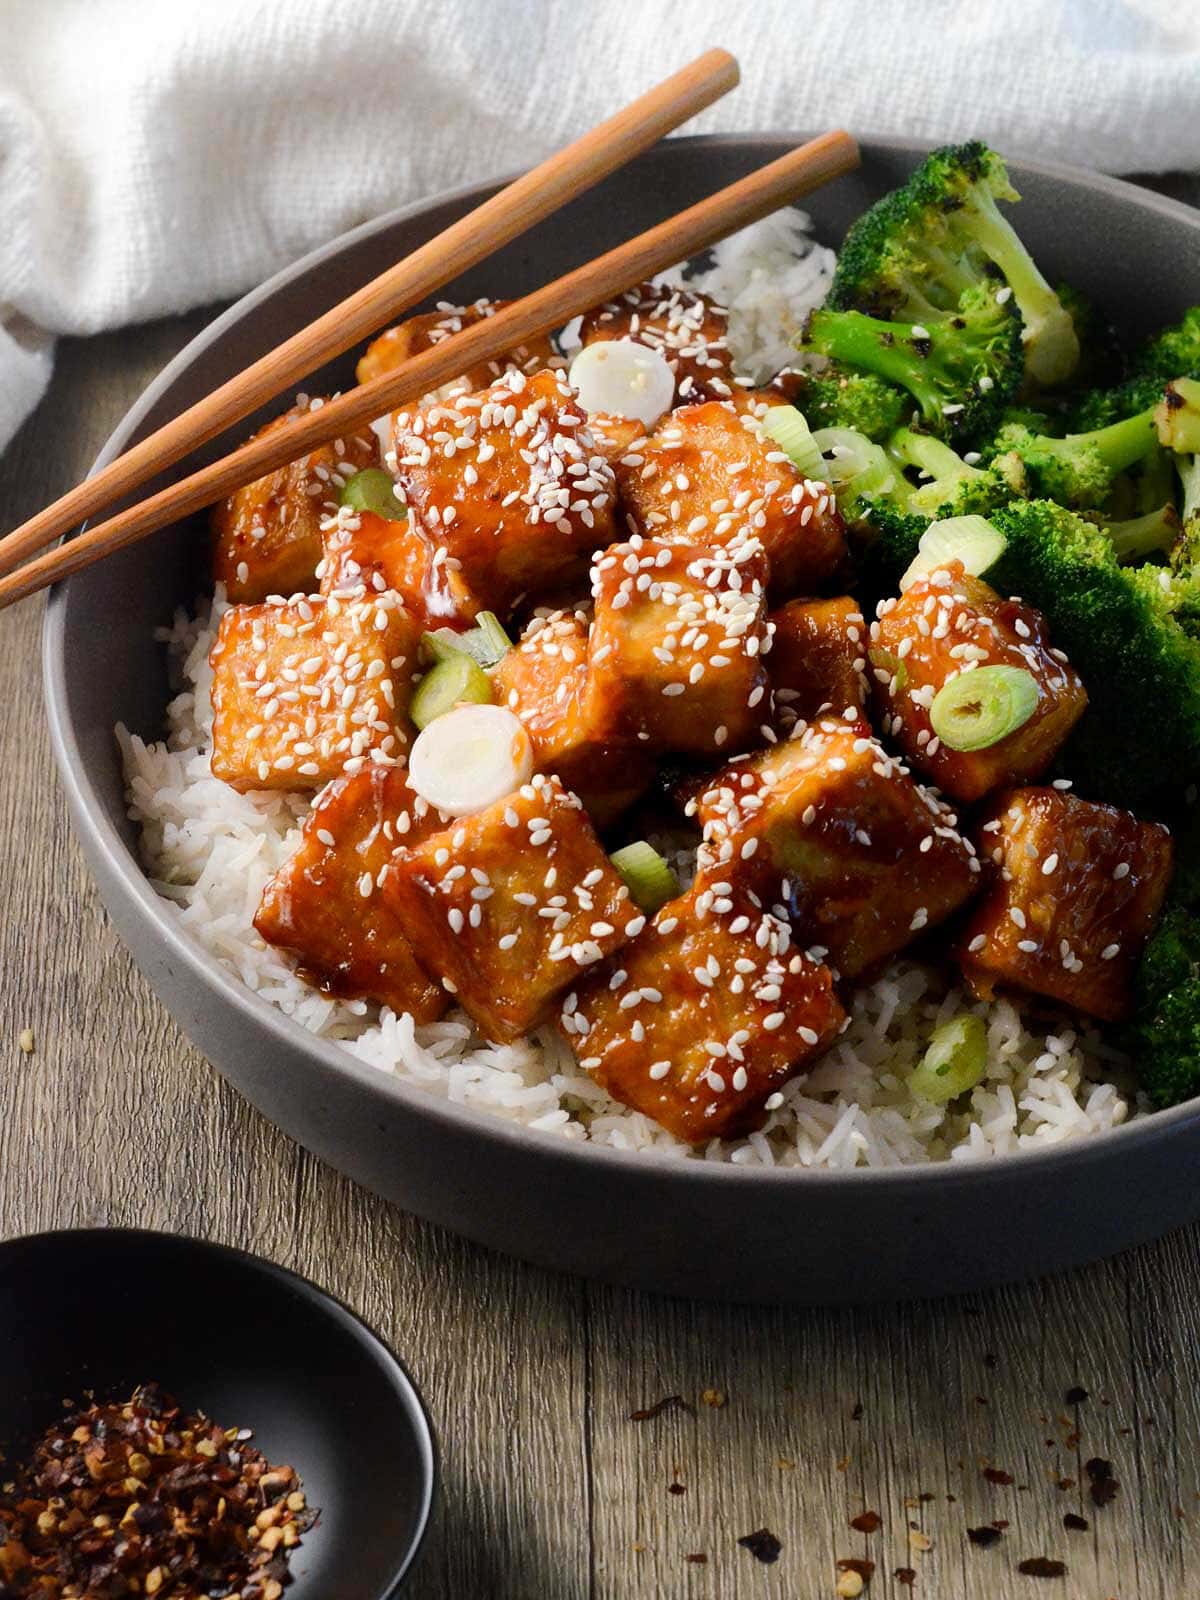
[{"x": 515, "y": 209}]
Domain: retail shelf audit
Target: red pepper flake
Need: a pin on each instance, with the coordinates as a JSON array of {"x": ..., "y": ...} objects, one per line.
[
  {"x": 762, "y": 1545},
  {"x": 864, "y": 1568},
  {"x": 134, "y": 1498},
  {"x": 856, "y": 1411},
  {"x": 907, "y": 1576},
  {"x": 1075, "y": 1523},
  {"x": 676, "y": 1488},
  {"x": 1042, "y": 1567},
  {"x": 866, "y": 1522},
  {"x": 1103, "y": 1485},
  {"x": 984, "y": 1536},
  {"x": 997, "y": 1475},
  {"x": 1076, "y": 1396},
  {"x": 669, "y": 1402},
  {"x": 698, "y": 1560}
]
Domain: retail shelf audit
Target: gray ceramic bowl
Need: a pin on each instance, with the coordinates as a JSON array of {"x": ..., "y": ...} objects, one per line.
[{"x": 679, "y": 1227}]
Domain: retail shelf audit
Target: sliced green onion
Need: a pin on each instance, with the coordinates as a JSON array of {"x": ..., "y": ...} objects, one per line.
[
  {"x": 489, "y": 625},
  {"x": 649, "y": 877},
  {"x": 971, "y": 540},
  {"x": 486, "y": 643},
  {"x": 786, "y": 425},
  {"x": 372, "y": 489},
  {"x": 858, "y": 470},
  {"x": 453, "y": 682},
  {"x": 955, "y": 1061},
  {"x": 980, "y": 707}
]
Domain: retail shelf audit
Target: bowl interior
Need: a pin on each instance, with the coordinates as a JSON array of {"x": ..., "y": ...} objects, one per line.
[
  {"x": 1136, "y": 254},
  {"x": 100, "y": 1312}
]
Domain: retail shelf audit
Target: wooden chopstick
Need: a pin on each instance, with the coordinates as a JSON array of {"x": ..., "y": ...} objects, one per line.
[
  {"x": 513, "y": 211},
  {"x": 752, "y": 197}
]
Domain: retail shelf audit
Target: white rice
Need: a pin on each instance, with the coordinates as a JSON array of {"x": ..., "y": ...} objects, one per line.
[{"x": 210, "y": 851}]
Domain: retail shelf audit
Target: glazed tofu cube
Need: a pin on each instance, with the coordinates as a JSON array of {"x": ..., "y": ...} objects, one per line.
[
  {"x": 708, "y": 475},
  {"x": 509, "y": 481},
  {"x": 543, "y": 679},
  {"x": 416, "y": 334},
  {"x": 818, "y": 659},
  {"x": 948, "y": 624},
  {"x": 510, "y": 905},
  {"x": 267, "y": 536},
  {"x": 1073, "y": 892},
  {"x": 366, "y": 554},
  {"x": 304, "y": 690},
  {"x": 835, "y": 832},
  {"x": 703, "y": 1018},
  {"x": 686, "y": 327},
  {"x": 675, "y": 658},
  {"x": 325, "y": 905}
]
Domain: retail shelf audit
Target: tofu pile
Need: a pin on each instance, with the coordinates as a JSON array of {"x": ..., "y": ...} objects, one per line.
[{"x": 682, "y": 638}]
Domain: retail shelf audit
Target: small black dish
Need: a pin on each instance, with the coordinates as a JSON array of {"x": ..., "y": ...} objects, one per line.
[{"x": 99, "y": 1311}]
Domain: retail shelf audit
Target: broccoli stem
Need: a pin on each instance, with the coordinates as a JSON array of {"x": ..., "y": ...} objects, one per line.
[
  {"x": 1177, "y": 416},
  {"x": 931, "y": 456},
  {"x": 890, "y": 349},
  {"x": 1118, "y": 446},
  {"x": 1138, "y": 537},
  {"x": 1052, "y": 344},
  {"x": 1189, "y": 477}
]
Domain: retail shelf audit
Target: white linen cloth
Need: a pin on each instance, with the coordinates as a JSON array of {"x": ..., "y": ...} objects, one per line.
[{"x": 158, "y": 154}]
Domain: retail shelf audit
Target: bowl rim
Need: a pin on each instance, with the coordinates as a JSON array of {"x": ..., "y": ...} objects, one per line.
[
  {"x": 368, "y": 1341},
  {"x": 101, "y": 838}
]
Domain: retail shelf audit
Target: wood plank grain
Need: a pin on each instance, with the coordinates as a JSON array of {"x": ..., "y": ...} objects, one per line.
[
  {"x": 550, "y": 1490},
  {"x": 115, "y": 1119}
]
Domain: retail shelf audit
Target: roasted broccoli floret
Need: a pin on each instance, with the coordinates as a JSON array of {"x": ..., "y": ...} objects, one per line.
[
  {"x": 1164, "y": 1038},
  {"x": 960, "y": 368},
  {"x": 912, "y": 255},
  {"x": 1079, "y": 470},
  {"x": 837, "y": 397},
  {"x": 951, "y": 486},
  {"x": 1141, "y": 732},
  {"x": 1173, "y": 353}
]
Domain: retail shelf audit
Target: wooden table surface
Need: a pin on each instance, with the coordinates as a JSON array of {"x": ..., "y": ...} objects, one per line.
[{"x": 796, "y": 1421}]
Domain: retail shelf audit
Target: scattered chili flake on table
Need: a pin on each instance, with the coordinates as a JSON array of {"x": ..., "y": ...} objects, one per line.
[
  {"x": 984, "y": 1536},
  {"x": 1103, "y": 1485},
  {"x": 1042, "y": 1567},
  {"x": 1076, "y": 1396},
  {"x": 143, "y": 1498},
  {"x": 698, "y": 1560},
  {"x": 1075, "y": 1523},
  {"x": 762, "y": 1545},
  {"x": 866, "y": 1522},
  {"x": 906, "y": 1576},
  {"x": 859, "y": 1565},
  {"x": 998, "y": 1475},
  {"x": 669, "y": 1402}
]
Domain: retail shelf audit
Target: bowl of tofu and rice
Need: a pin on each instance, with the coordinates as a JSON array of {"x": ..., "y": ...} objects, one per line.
[{"x": 727, "y": 989}]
